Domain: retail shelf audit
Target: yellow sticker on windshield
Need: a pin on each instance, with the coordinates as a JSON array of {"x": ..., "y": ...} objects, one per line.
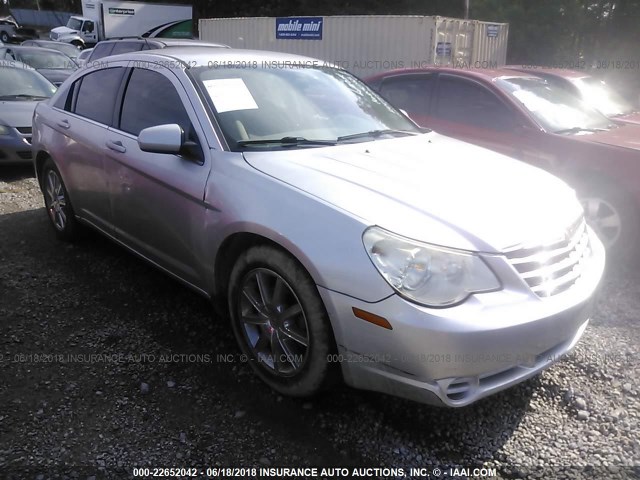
[{"x": 229, "y": 94}]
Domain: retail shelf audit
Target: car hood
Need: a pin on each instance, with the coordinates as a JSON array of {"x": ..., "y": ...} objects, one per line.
[
  {"x": 432, "y": 188},
  {"x": 632, "y": 118},
  {"x": 625, "y": 136},
  {"x": 56, "y": 75},
  {"x": 63, "y": 30},
  {"x": 17, "y": 114}
]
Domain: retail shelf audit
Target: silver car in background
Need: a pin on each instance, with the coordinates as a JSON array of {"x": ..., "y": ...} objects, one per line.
[
  {"x": 345, "y": 241},
  {"x": 21, "y": 88}
]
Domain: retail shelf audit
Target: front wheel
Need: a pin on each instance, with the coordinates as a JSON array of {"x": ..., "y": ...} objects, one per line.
[
  {"x": 610, "y": 212},
  {"x": 280, "y": 322}
]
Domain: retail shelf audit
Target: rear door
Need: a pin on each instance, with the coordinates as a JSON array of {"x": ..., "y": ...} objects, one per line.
[
  {"x": 81, "y": 122},
  {"x": 158, "y": 199}
]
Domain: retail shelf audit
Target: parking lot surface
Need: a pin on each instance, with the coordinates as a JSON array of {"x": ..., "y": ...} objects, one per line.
[{"x": 107, "y": 364}]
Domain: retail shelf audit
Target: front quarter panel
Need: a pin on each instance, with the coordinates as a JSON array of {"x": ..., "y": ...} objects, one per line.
[{"x": 326, "y": 240}]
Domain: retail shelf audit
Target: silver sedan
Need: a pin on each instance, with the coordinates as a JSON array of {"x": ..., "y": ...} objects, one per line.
[{"x": 344, "y": 241}]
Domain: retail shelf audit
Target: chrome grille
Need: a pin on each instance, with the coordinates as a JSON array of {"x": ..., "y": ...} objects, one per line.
[{"x": 553, "y": 268}]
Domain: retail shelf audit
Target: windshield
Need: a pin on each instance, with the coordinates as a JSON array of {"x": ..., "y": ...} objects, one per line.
[
  {"x": 45, "y": 59},
  {"x": 301, "y": 105},
  {"x": 602, "y": 97},
  {"x": 17, "y": 83},
  {"x": 555, "y": 109},
  {"x": 74, "y": 24},
  {"x": 66, "y": 48}
]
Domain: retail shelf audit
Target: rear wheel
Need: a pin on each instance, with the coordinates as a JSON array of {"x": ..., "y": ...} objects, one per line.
[
  {"x": 57, "y": 203},
  {"x": 280, "y": 322},
  {"x": 4, "y": 37}
]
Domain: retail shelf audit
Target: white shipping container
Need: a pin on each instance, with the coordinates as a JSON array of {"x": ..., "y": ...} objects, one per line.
[{"x": 366, "y": 44}]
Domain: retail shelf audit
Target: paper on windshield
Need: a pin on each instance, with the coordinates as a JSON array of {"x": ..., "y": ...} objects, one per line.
[{"x": 229, "y": 94}]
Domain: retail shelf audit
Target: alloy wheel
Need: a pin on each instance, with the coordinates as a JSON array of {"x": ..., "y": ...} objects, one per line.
[{"x": 273, "y": 322}]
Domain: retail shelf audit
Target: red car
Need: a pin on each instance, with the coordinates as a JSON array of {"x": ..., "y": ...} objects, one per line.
[
  {"x": 530, "y": 119},
  {"x": 592, "y": 91}
]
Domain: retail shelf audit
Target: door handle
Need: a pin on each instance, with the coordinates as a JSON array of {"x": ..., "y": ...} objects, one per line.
[
  {"x": 63, "y": 124},
  {"x": 116, "y": 146}
]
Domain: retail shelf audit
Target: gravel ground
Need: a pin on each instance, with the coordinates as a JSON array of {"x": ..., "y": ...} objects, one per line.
[{"x": 107, "y": 364}]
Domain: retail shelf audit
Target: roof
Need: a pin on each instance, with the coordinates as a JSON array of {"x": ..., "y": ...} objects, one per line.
[
  {"x": 558, "y": 72},
  {"x": 478, "y": 73},
  {"x": 206, "y": 56},
  {"x": 167, "y": 42},
  {"x": 29, "y": 48}
]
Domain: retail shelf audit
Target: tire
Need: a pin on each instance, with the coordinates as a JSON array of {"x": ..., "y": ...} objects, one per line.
[
  {"x": 4, "y": 37},
  {"x": 57, "y": 203},
  {"x": 280, "y": 322},
  {"x": 78, "y": 44},
  {"x": 610, "y": 212}
]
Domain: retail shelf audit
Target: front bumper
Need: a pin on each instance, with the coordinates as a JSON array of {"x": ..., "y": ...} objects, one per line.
[
  {"x": 15, "y": 148},
  {"x": 455, "y": 356}
]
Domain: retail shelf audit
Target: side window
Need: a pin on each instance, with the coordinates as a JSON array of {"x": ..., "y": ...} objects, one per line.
[
  {"x": 150, "y": 100},
  {"x": 64, "y": 101},
  {"x": 97, "y": 94},
  {"x": 412, "y": 93},
  {"x": 101, "y": 50},
  {"x": 124, "y": 47},
  {"x": 88, "y": 27},
  {"x": 462, "y": 101}
]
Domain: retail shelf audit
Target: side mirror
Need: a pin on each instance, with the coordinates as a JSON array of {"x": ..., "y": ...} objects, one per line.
[{"x": 161, "y": 139}]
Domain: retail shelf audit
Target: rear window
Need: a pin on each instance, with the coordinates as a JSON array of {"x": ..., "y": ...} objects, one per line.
[
  {"x": 102, "y": 49},
  {"x": 124, "y": 47}
]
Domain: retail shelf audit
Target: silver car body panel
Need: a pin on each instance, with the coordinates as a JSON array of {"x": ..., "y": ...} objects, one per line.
[{"x": 316, "y": 203}]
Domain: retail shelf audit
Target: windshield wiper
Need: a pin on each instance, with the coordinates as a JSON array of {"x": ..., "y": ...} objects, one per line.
[
  {"x": 22, "y": 96},
  {"x": 375, "y": 134},
  {"x": 579, "y": 129},
  {"x": 285, "y": 142}
]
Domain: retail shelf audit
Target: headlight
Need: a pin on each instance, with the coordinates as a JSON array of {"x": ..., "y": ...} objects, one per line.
[
  {"x": 426, "y": 274},
  {"x": 4, "y": 130}
]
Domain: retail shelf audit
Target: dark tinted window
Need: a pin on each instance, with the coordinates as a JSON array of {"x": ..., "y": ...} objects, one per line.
[
  {"x": 124, "y": 47},
  {"x": 97, "y": 94},
  {"x": 463, "y": 101},
  {"x": 151, "y": 99},
  {"x": 101, "y": 50},
  {"x": 64, "y": 101},
  {"x": 412, "y": 93}
]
